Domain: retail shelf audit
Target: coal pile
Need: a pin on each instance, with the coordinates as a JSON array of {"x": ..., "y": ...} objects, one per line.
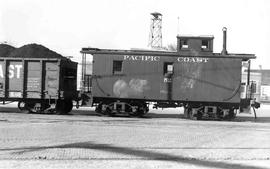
[
  {"x": 34, "y": 51},
  {"x": 5, "y": 50}
]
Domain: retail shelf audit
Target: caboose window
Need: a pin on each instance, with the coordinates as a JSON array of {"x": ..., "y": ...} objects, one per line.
[
  {"x": 168, "y": 67},
  {"x": 184, "y": 43},
  {"x": 117, "y": 66},
  {"x": 205, "y": 44}
]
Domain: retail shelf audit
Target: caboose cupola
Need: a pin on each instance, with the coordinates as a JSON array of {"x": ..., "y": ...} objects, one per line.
[{"x": 200, "y": 44}]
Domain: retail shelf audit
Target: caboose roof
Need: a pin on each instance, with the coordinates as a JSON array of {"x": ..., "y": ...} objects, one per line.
[
  {"x": 164, "y": 53},
  {"x": 195, "y": 37}
]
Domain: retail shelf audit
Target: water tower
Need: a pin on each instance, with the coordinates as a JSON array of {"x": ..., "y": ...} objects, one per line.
[{"x": 155, "y": 36}]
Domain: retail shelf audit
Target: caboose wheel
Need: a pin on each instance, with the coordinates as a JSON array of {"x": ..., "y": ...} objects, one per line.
[
  {"x": 193, "y": 113},
  {"x": 21, "y": 105},
  {"x": 109, "y": 110},
  {"x": 141, "y": 110},
  {"x": 231, "y": 115},
  {"x": 99, "y": 110}
]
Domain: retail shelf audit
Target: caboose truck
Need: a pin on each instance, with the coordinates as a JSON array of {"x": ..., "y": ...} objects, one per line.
[{"x": 206, "y": 84}]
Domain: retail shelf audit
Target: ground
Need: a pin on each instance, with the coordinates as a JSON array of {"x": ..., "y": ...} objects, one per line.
[{"x": 162, "y": 139}]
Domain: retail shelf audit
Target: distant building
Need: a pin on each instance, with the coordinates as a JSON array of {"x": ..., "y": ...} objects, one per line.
[
  {"x": 255, "y": 77},
  {"x": 262, "y": 79},
  {"x": 265, "y": 75}
]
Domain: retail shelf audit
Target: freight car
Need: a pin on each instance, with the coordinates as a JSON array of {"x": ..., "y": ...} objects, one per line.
[
  {"x": 44, "y": 82},
  {"x": 206, "y": 84}
]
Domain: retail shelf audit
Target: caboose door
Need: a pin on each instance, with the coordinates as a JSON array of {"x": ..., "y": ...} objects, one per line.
[{"x": 168, "y": 78}]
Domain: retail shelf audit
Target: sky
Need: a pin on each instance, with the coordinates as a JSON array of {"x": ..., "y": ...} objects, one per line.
[{"x": 66, "y": 26}]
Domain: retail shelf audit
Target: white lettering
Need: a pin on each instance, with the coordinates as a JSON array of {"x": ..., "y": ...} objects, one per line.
[
  {"x": 148, "y": 58},
  {"x": 126, "y": 57},
  {"x": 156, "y": 58},
  {"x": 141, "y": 58},
  {"x": 180, "y": 59},
  {"x": 136, "y": 57},
  {"x": 199, "y": 60},
  {"x": 18, "y": 67},
  {"x": 1, "y": 72},
  {"x": 11, "y": 71},
  {"x": 205, "y": 59},
  {"x": 192, "y": 59}
]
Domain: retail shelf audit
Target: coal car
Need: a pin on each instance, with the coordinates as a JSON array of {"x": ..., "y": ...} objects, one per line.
[
  {"x": 206, "y": 84},
  {"x": 38, "y": 79}
]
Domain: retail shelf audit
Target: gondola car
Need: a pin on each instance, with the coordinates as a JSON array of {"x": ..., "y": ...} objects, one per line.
[{"x": 39, "y": 84}]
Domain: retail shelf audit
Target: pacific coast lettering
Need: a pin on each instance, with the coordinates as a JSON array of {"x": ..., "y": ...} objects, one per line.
[
  {"x": 141, "y": 58},
  {"x": 157, "y": 58},
  {"x": 14, "y": 71},
  {"x": 192, "y": 59}
]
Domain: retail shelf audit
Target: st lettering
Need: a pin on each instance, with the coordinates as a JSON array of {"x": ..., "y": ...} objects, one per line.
[{"x": 14, "y": 71}]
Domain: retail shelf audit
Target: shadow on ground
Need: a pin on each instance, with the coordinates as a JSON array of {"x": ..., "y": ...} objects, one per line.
[{"x": 137, "y": 154}]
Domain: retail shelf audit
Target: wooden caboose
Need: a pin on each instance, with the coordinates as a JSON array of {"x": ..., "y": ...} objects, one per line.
[{"x": 207, "y": 84}]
